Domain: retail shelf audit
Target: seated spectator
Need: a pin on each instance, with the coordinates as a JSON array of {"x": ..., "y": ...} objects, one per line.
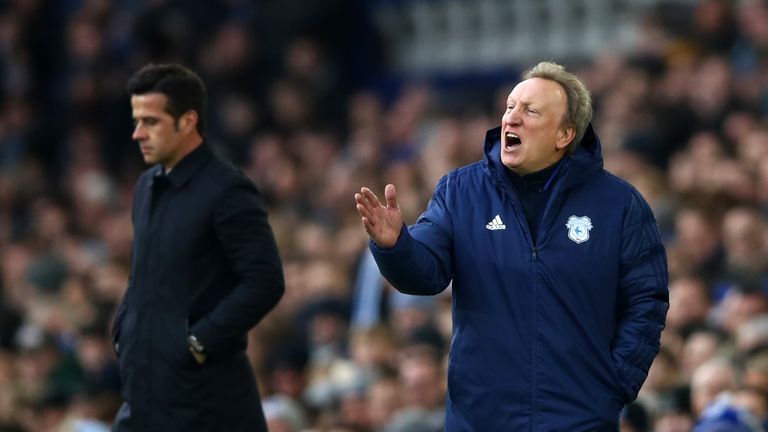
[
  {"x": 701, "y": 344},
  {"x": 673, "y": 411},
  {"x": 384, "y": 400},
  {"x": 755, "y": 401},
  {"x": 709, "y": 380},
  {"x": 746, "y": 255},
  {"x": 689, "y": 302},
  {"x": 723, "y": 415},
  {"x": 741, "y": 303},
  {"x": 634, "y": 418}
]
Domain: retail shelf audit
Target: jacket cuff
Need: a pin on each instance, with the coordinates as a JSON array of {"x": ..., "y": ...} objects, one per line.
[
  {"x": 402, "y": 239},
  {"x": 631, "y": 379},
  {"x": 205, "y": 333}
]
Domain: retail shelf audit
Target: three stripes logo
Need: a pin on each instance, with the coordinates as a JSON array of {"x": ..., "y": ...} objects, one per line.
[{"x": 496, "y": 224}]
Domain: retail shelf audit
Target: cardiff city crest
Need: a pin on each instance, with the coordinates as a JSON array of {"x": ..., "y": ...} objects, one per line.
[{"x": 578, "y": 228}]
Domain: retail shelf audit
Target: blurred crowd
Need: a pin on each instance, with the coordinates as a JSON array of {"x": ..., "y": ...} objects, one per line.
[{"x": 683, "y": 116}]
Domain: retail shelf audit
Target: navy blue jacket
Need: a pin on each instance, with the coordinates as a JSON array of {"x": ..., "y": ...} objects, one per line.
[
  {"x": 556, "y": 337},
  {"x": 204, "y": 261}
]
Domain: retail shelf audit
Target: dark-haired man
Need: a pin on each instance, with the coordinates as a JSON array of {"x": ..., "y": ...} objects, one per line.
[{"x": 204, "y": 271}]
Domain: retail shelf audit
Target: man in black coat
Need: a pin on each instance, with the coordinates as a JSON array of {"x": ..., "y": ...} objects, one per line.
[{"x": 205, "y": 270}]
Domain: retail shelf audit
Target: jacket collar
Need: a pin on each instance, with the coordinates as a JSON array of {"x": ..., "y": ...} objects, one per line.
[
  {"x": 539, "y": 180},
  {"x": 186, "y": 167},
  {"x": 576, "y": 168}
]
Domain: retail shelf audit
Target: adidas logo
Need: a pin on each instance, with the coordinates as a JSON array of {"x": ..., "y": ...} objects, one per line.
[{"x": 496, "y": 224}]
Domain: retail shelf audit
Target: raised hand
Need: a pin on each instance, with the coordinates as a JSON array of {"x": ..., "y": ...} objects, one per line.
[{"x": 382, "y": 223}]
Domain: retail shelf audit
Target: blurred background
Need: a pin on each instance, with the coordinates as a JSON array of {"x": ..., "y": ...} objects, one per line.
[{"x": 314, "y": 99}]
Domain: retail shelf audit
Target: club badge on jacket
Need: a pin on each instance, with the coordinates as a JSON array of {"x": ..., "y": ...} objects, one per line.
[{"x": 578, "y": 228}]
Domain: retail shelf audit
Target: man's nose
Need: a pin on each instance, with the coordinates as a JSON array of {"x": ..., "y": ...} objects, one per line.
[
  {"x": 512, "y": 116},
  {"x": 138, "y": 133}
]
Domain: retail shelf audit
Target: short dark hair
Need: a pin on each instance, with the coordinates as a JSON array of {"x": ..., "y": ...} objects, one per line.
[{"x": 184, "y": 89}]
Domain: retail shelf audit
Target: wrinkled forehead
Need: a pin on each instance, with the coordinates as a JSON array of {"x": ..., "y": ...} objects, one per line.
[{"x": 539, "y": 91}]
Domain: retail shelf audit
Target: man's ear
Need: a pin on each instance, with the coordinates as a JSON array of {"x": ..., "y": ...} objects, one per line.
[
  {"x": 188, "y": 121},
  {"x": 566, "y": 136}
]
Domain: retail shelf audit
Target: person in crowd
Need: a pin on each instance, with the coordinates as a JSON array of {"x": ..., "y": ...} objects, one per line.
[{"x": 709, "y": 380}]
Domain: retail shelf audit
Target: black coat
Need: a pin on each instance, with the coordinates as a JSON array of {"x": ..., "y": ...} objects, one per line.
[{"x": 205, "y": 262}]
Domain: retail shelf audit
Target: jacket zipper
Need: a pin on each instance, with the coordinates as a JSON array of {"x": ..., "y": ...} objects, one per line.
[{"x": 535, "y": 338}]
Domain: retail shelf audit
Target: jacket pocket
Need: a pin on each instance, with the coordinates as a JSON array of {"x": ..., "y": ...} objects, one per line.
[
  {"x": 179, "y": 383},
  {"x": 174, "y": 345}
]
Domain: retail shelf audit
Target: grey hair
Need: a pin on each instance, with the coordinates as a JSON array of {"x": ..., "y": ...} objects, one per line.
[{"x": 579, "y": 112}]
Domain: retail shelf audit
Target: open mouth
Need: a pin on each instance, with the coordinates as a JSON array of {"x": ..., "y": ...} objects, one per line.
[{"x": 512, "y": 139}]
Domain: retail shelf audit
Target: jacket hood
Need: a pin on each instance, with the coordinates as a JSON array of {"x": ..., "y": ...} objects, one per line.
[{"x": 578, "y": 166}]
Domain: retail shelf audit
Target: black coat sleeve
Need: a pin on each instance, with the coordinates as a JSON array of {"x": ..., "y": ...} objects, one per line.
[{"x": 243, "y": 231}]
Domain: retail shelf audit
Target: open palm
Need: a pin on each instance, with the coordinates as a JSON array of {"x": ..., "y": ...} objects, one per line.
[{"x": 382, "y": 223}]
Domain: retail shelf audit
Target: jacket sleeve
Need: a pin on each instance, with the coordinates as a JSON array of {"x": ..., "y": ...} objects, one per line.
[
  {"x": 643, "y": 298},
  {"x": 246, "y": 237},
  {"x": 421, "y": 262}
]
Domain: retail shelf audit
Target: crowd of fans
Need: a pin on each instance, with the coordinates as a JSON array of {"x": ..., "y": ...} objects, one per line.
[{"x": 683, "y": 116}]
